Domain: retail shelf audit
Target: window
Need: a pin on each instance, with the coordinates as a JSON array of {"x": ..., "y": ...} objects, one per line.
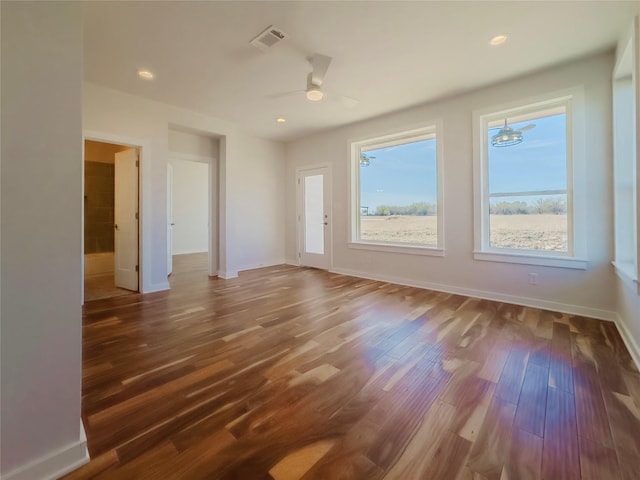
[
  {"x": 625, "y": 158},
  {"x": 525, "y": 185},
  {"x": 397, "y": 194}
]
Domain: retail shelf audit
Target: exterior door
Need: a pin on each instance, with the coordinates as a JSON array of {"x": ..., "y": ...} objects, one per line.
[
  {"x": 126, "y": 219},
  {"x": 314, "y": 222}
]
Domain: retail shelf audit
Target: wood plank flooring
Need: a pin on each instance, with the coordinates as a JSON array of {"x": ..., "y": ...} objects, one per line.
[{"x": 289, "y": 373}]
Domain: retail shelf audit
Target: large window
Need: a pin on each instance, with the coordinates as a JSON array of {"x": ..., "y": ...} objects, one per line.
[
  {"x": 396, "y": 192},
  {"x": 525, "y": 202}
]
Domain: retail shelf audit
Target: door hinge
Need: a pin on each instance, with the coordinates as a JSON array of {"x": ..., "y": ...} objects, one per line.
[
  {"x": 298, "y": 181},
  {"x": 137, "y": 163},
  {"x": 137, "y": 268},
  {"x": 137, "y": 216},
  {"x": 299, "y": 256},
  {"x": 298, "y": 217}
]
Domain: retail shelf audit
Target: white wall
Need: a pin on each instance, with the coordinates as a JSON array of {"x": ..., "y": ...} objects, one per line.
[
  {"x": 259, "y": 200},
  {"x": 589, "y": 292},
  {"x": 190, "y": 207},
  {"x": 188, "y": 143},
  {"x": 121, "y": 117},
  {"x": 41, "y": 239}
]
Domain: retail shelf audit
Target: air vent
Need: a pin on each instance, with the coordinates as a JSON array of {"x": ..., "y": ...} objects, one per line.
[{"x": 268, "y": 38}]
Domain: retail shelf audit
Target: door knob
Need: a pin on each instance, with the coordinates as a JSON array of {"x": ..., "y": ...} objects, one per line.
[{"x": 116, "y": 226}]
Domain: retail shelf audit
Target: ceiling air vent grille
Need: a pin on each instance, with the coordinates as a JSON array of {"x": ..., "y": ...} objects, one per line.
[{"x": 268, "y": 38}]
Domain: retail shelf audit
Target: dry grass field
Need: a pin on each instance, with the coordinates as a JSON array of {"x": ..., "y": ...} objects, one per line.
[
  {"x": 399, "y": 229},
  {"x": 534, "y": 232}
]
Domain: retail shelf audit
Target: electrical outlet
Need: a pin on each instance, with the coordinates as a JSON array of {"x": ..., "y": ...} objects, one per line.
[{"x": 533, "y": 279}]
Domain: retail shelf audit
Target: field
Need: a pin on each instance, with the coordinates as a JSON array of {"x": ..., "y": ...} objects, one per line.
[{"x": 535, "y": 232}]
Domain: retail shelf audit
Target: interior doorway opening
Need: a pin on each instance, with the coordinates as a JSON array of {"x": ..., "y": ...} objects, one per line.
[
  {"x": 111, "y": 220},
  {"x": 192, "y": 207}
]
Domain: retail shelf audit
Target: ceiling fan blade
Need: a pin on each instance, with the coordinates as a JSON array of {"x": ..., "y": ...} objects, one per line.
[
  {"x": 348, "y": 102},
  {"x": 528, "y": 127},
  {"x": 320, "y": 64},
  {"x": 275, "y": 96}
]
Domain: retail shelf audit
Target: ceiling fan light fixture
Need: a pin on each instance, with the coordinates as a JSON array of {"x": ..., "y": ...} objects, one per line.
[
  {"x": 506, "y": 137},
  {"x": 314, "y": 94}
]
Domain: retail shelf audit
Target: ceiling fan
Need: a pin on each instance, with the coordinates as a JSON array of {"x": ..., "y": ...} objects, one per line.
[
  {"x": 314, "y": 91},
  {"x": 507, "y": 136}
]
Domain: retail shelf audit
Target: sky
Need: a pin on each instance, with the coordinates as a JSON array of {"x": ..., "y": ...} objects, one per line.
[{"x": 405, "y": 174}]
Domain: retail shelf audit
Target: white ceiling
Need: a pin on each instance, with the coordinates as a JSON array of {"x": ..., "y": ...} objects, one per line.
[{"x": 389, "y": 55}]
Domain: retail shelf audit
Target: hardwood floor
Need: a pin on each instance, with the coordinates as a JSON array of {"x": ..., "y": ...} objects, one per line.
[
  {"x": 290, "y": 373},
  {"x": 102, "y": 286}
]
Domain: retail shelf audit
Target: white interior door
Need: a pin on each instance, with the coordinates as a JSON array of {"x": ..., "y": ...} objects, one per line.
[
  {"x": 314, "y": 221},
  {"x": 169, "y": 219},
  {"x": 126, "y": 221}
]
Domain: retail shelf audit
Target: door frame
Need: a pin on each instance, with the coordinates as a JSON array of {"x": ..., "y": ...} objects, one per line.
[
  {"x": 143, "y": 146},
  {"x": 170, "y": 222},
  {"x": 213, "y": 183},
  {"x": 299, "y": 207}
]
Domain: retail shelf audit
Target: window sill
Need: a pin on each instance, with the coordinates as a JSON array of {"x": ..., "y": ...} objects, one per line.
[
  {"x": 527, "y": 259},
  {"x": 625, "y": 271},
  {"x": 394, "y": 248}
]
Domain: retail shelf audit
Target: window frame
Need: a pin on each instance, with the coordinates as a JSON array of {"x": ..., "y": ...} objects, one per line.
[
  {"x": 397, "y": 137},
  {"x": 626, "y": 75},
  {"x": 575, "y": 256}
]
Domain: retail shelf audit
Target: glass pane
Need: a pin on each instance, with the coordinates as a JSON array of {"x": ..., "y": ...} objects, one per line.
[
  {"x": 539, "y": 163},
  {"x": 529, "y": 222},
  {"x": 399, "y": 194},
  {"x": 313, "y": 214}
]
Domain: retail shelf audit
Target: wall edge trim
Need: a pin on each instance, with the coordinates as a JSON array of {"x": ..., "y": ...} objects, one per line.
[
  {"x": 54, "y": 464},
  {"x": 227, "y": 275},
  {"x": 629, "y": 341},
  {"x": 157, "y": 287},
  {"x": 487, "y": 295}
]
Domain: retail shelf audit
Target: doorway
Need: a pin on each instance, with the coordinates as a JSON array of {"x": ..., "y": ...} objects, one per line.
[
  {"x": 111, "y": 227},
  {"x": 188, "y": 211},
  {"x": 314, "y": 226},
  {"x": 192, "y": 200}
]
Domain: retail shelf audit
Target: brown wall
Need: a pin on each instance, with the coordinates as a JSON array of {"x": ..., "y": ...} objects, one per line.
[{"x": 99, "y": 196}]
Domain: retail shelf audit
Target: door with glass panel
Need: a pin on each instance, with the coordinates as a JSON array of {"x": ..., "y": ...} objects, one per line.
[{"x": 314, "y": 220}]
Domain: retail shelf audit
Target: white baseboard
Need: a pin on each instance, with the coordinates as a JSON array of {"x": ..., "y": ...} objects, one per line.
[
  {"x": 157, "y": 287},
  {"x": 266, "y": 263},
  {"x": 487, "y": 295},
  {"x": 252, "y": 266},
  {"x": 189, "y": 252},
  {"x": 55, "y": 464},
  {"x": 293, "y": 262},
  {"x": 628, "y": 340},
  {"x": 227, "y": 275}
]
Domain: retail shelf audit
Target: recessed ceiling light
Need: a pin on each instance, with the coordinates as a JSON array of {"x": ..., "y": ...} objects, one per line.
[
  {"x": 281, "y": 120},
  {"x": 498, "y": 40},
  {"x": 146, "y": 74}
]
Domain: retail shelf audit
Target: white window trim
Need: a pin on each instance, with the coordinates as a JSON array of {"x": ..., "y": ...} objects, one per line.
[
  {"x": 576, "y": 257},
  {"x": 628, "y": 269},
  {"x": 396, "y": 137}
]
